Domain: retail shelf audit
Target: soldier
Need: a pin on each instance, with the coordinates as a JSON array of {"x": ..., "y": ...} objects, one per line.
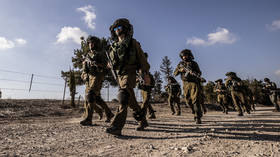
[
  {"x": 235, "y": 85},
  {"x": 190, "y": 75},
  {"x": 127, "y": 57},
  {"x": 93, "y": 74},
  {"x": 174, "y": 91},
  {"x": 203, "y": 97},
  {"x": 146, "y": 94},
  {"x": 271, "y": 89},
  {"x": 221, "y": 91},
  {"x": 249, "y": 97}
]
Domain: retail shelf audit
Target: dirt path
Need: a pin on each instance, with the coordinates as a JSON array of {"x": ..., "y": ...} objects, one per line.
[{"x": 257, "y": 134}]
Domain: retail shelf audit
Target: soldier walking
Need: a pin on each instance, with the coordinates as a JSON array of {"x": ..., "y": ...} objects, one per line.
[
  {"x": 174, "y": 91},
  {"x": 127, "y": 57},
  {"x": 94, "y": 71},
  {"x": 221, "y": 91},
  {"x": 146, "y": 93},
  {"x": 271, "y": 88},
  {"x": 190, "y": 75},
  {"x": 235, "y": 85}
]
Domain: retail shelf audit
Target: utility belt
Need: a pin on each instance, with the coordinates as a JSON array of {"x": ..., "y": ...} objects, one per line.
[{"x": 126, "y": 69}]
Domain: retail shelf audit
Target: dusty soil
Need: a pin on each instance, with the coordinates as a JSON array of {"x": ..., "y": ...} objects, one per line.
[{"x": 45, "y": 128}]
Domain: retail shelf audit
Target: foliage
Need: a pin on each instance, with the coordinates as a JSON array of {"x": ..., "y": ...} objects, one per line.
[
  {"x": 156, "y": 92},
  {"x": 210, "y": 95},
  {"x": 166, "y": 67}
]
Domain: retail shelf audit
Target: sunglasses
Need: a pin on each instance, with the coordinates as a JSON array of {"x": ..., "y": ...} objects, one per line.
[{"x": 116, "y": 28}]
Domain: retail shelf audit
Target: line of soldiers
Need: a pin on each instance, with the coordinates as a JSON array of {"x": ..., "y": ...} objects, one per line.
[{"x": 129, "y": 66}]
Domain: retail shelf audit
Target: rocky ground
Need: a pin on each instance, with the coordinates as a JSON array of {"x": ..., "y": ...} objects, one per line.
[{"x": 46, "y": 128}]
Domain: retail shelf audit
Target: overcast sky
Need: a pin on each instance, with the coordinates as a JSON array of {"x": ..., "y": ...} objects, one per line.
[{"x": 38, "y": 37}]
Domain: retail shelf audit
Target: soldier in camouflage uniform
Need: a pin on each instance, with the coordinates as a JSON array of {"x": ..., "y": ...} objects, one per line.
[
  {"x": 174, "y": 91},
  {"x": 249, "y": 97},
  {"x": 93, "y": 74},
  {"x": 190, "y": 75},
  {"x": 127, "y": 57},
  {"x": 235, "y": 85},
  {"x": 202, "y": 97},
  {"x": 271, "y": 89},
  {"x": 146, "y": 94},
  {"x": 221, "y": 91}
]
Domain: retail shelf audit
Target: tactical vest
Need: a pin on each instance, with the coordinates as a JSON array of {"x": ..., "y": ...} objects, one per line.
[{"x": 124, "y": 56}]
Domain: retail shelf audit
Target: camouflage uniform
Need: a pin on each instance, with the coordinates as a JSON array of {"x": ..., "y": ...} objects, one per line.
[
  {"x": 191, "y": 83},
  {"x": 127, "y": 57},
  {"x": 221, "y": 91},
  {"x": 235, "y": 85},
  {"x": 271, "y": 88},
  {"x": 94, "y": 73},
  {"x": 146, "y": 96},
  {"x": 174, "y": 91},
  {"x": 249, "y": 97},
  {"x": 202, "y": 98}
]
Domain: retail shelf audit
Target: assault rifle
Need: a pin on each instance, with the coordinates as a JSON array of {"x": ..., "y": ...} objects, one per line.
[
  {"x": 114, "y": 73},
  {"x": 188, "y": 71}
]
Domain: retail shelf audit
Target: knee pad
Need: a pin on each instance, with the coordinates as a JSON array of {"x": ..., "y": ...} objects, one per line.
[
  {"x": 91, "y": 97},
  {"x": 123, "y": 96}
]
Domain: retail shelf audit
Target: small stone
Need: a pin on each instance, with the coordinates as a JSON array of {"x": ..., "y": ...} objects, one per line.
[
  {"x": 108, "y": 147},
  {"x": 185, "y": 149},
  {"x": 213, "y": 129},
  {"x": 177, "y": 149}
]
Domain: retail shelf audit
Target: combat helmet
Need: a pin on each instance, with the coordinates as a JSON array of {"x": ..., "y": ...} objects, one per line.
[
  {"x": 95, "y": 40},
  {"x": 233, "y": 74},
  {"x": 127, "y": 28},
  {"x": 219, "y": 80},
  {"x": 266, "y": 79},
  {"x": 186, "y": 52}
]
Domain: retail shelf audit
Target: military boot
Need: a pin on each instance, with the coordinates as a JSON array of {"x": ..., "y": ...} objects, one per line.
[
  {"x": 198, "y": 121},
  {"x": 152, "y": 116},
  {"x": 178, "y": 113},
  {"x": 100, "y": 115},
  {"x": 86, "y": 122},
  {"x": 240, "y": 114},
  {"x": 114, "y": 131},
  {"x": 109, "y": 117},
  {"x": 143, "y": 125}
]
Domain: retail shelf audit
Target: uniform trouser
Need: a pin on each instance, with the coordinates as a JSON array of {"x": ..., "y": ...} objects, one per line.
[
  {"x": 193, "y": 96},
  {"x": 120, "y": 118},
  {"x": 146, "y": 105},
  {"x": 222, "y": 100},
  {"x": 251, "y": 102},
  {"x": 90, "y": 108},
  {"x": 174, "y": 100},
  {"x": 239, "y": 101},
  {"x": 97, "y": 104},
  {"x": 273, "y": 99}
]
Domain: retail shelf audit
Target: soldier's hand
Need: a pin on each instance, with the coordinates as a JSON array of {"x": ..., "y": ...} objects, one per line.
[
  {"x": 181, "y": 69},
  {"x": 109, "y": 66}
]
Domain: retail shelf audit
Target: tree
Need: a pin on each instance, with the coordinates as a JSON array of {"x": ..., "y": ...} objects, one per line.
[
  {"x": 72, "y": 87},
  {"x": 166, "y": 67},
  {"x": 156, "y": 92},
  {"x": 258, "y": 95},
  {"x": 210, "y": 95}
]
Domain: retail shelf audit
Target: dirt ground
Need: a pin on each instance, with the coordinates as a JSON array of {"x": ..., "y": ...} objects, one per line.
[{"x": 45, "y": 128}]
